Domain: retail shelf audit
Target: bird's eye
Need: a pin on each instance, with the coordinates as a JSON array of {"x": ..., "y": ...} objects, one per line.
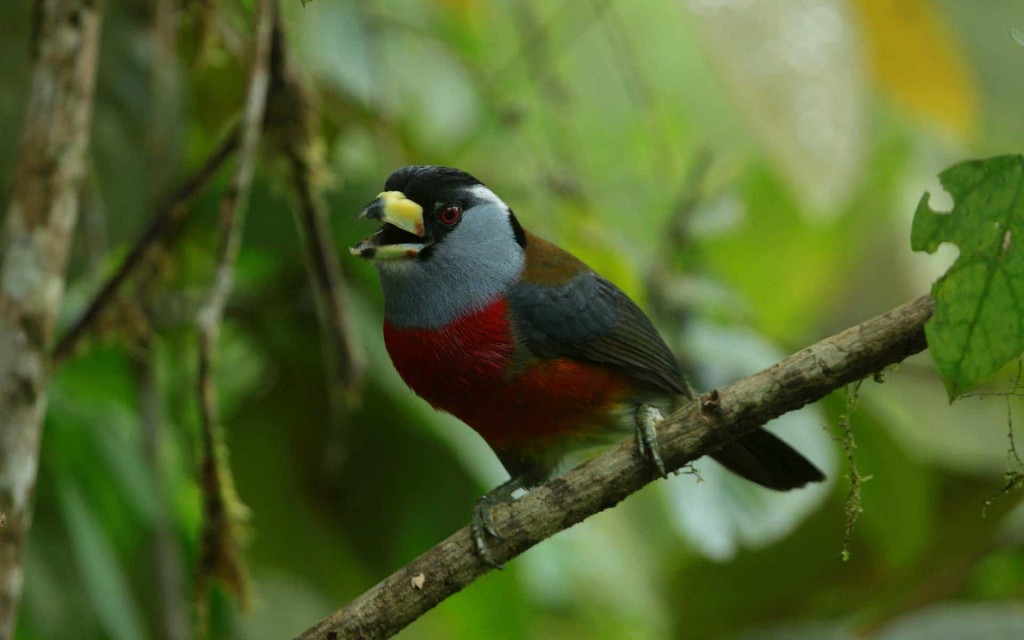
[{"x": 450, "y": 215}]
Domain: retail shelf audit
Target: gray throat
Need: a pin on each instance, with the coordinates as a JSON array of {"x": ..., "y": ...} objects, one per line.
[{"x": 470, "y": 269}]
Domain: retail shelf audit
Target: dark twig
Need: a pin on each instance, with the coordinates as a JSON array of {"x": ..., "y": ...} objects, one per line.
[
  {"x": 699, "y": 428},
  {"x": 219, "y": 555},
  {"x": 170, "y": 212},
  {"x": 292, "y": 118}
]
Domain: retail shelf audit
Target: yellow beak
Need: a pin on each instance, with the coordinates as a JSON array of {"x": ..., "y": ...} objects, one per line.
[{"x": 392, "y": 208}]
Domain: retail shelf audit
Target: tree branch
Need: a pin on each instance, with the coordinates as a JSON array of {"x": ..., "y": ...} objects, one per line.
[
  {"x": 41, "y": 215},
  {"x": 699, "y": 428},
  {"x": 219, "y": 553}
]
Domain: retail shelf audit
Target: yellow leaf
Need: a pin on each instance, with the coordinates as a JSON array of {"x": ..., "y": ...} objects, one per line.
[{"x": 917, "y": 59}]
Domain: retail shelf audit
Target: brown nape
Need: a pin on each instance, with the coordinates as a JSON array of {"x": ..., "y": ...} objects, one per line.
[{"x": 548, "y": 264}]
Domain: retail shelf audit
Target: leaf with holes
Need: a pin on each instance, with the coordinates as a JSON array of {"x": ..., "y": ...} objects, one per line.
[{"x": 978, "y": 324}]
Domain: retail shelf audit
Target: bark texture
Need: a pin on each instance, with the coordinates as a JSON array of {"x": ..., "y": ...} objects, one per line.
[{"x": 40, "y": 218}]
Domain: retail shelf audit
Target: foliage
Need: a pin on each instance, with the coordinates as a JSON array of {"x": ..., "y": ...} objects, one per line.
[
  {"x": 589, "y": 119},
  {"x": 978, "y": 324}
]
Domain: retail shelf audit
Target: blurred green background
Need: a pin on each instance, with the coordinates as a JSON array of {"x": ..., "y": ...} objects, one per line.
[{"x": 747, "y": 170}]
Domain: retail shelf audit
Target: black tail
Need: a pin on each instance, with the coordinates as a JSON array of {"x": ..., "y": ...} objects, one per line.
[{"x": 768, "y": 461}]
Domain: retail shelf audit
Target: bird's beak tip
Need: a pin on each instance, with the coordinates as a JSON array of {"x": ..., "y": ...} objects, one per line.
[{"x": 372, "y": 211}]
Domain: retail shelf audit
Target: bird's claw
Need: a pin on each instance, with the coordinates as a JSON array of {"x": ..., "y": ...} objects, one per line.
[
  {"x": 482, "y": 525},
  {"x": 647, "y": 419}
]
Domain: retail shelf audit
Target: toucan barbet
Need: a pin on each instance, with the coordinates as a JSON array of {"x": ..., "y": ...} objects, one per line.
[{"x": 524, "y": 342}]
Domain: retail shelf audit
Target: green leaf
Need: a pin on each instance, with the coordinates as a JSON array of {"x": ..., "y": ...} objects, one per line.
[
  {"x": 1017, "y": 35},
  {"x": 978, "y": 324}
]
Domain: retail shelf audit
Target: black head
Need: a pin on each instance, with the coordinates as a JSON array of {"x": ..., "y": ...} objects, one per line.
[
  {"x": 429, "y": 185},
  {"x": 448, "y": 245},
  {"x": 422, "y": 205}
]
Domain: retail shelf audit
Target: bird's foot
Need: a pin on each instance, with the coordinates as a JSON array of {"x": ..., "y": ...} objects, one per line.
[
  {"x": 482, "y": 525},
  {"x": 482, "y": 522},
  {"x": 647, "y": 420}
]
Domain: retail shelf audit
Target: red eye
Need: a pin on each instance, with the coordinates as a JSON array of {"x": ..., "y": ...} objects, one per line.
[{"x": 450, "y": 215}]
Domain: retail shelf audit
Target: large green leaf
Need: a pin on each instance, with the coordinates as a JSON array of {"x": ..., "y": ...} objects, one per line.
[{"x": 978, "y": 324}]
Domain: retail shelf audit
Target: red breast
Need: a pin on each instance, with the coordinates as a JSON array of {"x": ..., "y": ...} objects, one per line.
[{"x": 474, "y": 369}]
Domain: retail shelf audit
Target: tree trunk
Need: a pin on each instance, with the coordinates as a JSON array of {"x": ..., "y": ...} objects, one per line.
[{"x": 41, "y": 215}]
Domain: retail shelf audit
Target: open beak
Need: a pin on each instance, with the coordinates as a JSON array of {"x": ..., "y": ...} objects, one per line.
[{"x": 403, "y": 233}]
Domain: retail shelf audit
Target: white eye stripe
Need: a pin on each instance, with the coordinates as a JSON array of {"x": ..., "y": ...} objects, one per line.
[{"x": 480, "y": 192}]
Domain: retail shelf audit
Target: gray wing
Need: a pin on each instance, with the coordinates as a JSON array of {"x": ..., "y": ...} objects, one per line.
[{"x": 591, "y": 319}]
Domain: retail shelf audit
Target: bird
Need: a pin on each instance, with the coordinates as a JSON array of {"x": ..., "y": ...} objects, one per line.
[{"x": 525, "y": 343}]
